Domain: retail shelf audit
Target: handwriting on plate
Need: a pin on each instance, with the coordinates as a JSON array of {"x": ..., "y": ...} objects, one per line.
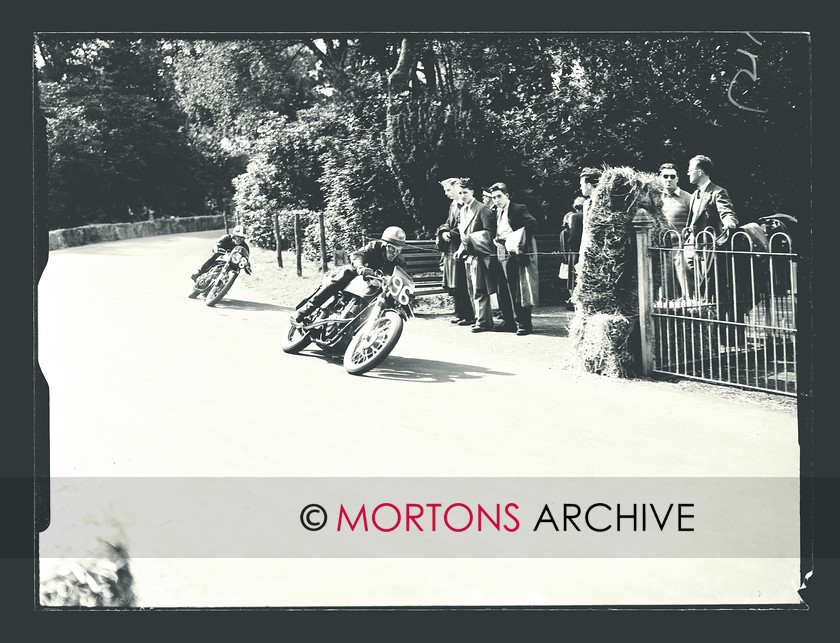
[{"x": 753, "y": 75}]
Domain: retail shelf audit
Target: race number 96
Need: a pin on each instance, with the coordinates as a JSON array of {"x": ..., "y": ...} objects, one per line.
[{"x": 400, "y": 290}]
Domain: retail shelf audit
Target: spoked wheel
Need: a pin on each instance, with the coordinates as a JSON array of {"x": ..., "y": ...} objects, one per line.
[
  {"x": 202, "y": 281},
  {"x": 367, "y": 350},
  {"x": 295, "y": 339},
  {"x": 220, "y": 287}
]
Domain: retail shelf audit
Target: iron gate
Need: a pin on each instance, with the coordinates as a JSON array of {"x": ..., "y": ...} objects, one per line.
[{"x": 726, "y": 315}]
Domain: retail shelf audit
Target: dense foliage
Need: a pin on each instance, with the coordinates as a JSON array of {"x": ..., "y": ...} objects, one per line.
[{"x": 362, "y": 129}]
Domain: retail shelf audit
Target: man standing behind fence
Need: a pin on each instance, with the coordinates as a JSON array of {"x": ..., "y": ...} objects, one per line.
[
  {"x": 710, "y": 207},
  {"x": 447, "y": 240},
  {"x": 517, "y": 254},
  {"x": 675, "y": 208}
]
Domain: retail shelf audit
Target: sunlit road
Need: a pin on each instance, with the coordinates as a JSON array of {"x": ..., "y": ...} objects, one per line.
[{"x": 145, "y": 382}]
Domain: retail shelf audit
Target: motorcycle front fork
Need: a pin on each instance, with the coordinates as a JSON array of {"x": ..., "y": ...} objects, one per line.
[{"x": 373, "y": 312}]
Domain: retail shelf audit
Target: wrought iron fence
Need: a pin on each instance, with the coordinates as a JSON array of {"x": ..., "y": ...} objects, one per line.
[{"x": 726, "y": 315}]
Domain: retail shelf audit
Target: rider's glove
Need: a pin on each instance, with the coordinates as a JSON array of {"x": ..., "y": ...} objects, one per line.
[{"x": 364, "y": 271}]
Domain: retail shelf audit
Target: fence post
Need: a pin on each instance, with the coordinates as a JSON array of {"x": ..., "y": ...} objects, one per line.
[
  {"x": 278, "y": 240},
  {"x": 297, "y": 244},
  {"x": 642, "y": 224},
  {"x": 323, "y": 242}
]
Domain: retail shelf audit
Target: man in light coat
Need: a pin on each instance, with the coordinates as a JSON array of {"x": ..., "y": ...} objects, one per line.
[{"x": 447, "y": 242}]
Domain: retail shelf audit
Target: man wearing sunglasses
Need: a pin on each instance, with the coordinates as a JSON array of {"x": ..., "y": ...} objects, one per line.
[
  {"x": 675, "y": 201},
  {"x": 675, "y": 208}
]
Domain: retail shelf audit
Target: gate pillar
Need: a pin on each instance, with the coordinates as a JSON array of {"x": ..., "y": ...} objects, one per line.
[{"x": 642, "y": 225}]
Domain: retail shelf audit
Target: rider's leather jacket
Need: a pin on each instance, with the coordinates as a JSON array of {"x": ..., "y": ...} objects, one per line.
[
  {"x": 227, "y": 243},
  {"x": 372, "y": 255}
]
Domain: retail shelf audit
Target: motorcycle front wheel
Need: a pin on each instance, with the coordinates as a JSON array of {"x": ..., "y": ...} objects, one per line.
[
  {"x": 367, "y": 350},
  {"x": 295, "y": 339},
  {"x": 220, "y": 287}
]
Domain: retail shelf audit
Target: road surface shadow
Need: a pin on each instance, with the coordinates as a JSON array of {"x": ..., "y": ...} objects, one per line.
[
  {"x": 428, "y": 371},
  {"x": 415, "y": 369},
  {"x": 239, "y": 304}
]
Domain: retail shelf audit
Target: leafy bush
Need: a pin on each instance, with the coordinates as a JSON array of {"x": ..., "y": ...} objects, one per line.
[{"x": 325, "y": 161}]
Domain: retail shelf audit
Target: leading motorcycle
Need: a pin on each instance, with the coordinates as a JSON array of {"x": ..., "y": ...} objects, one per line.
[
  {"x": 216, "y": 281},
  {"x": 364, "y": 320}
]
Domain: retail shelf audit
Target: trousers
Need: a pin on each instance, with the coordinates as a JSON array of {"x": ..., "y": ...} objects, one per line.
[
  {"x": 510, "y": 295},
  {"x": 478, "y": 293}
]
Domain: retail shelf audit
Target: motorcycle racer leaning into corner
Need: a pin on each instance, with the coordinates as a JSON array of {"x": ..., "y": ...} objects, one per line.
[
  {"x": 380, "y": 254},
  {"x": 225, "y": 243}
]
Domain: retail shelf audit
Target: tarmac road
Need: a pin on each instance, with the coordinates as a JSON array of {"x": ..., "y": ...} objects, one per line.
[{"x": 147, "y": 383}]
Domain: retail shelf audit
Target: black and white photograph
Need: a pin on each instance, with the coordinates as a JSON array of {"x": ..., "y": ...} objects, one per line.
[{"x": 422, "y": 320}]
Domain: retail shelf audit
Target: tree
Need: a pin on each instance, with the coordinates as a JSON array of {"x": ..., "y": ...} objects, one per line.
[
  {"x": 117, "y": 151},
  {"x": 362, "y": 128}
]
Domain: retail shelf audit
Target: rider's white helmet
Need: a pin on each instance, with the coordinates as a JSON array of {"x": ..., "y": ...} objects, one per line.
[
  {"x": 394, "y": 235},
  {"x": 238, "y": 231}
]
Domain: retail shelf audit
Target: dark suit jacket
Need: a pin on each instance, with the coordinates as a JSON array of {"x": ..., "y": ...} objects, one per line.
[
  {"x": 372, "y": 255},
  {"x": 479, "y": 217},
  {"x": 450, "y": 226},
  {"x": 575, "y": 231},
  {"x": 519, "y": 217},
  {"x": 715, "y": 210}
]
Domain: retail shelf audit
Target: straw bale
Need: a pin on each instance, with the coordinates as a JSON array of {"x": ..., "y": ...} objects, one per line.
[
  {"x": 606, "y": 295},
  {"x": 605, "y": 344}
]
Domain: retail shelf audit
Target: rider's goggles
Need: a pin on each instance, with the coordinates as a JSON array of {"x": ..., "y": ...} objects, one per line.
[{"x": 391, "y": 250}]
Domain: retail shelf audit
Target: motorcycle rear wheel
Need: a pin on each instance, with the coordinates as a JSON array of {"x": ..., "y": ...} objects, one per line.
[
  {"x": 367, "y": 350},
  {"x": 295, "y": 339},
  {"x": 220, "y": 287}
]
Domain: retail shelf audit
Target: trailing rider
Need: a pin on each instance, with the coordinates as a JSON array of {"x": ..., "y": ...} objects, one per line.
[{"x": 224, "y": 244}]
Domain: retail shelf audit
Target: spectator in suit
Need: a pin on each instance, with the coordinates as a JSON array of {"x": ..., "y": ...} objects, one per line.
[
  {"x": 447, "y": 241},
  {"x": 478, "y": 229},
  {"x": 516, "y": 251},
  {"x": 710, "y": 207},
  {"x": 570, "y": 244},
  {"x": 589, "y": 178}
]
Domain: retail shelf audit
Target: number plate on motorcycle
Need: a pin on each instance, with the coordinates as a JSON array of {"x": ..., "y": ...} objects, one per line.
[{"x": 401, "y": 286}]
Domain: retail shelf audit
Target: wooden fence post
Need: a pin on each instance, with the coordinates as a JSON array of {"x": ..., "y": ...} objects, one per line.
[
  {"x": 297, "y": 244},
  {"x": 642, "y": 224},
  {"x": 323, "y": 242},
  {"x": 278, "y": 240}
]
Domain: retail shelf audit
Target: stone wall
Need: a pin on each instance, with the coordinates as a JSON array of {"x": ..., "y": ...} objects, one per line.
[{"x": 98, "y": 232}]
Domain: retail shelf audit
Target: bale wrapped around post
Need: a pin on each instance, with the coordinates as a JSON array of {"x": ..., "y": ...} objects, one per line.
[{"x": 605, "y": 327}]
